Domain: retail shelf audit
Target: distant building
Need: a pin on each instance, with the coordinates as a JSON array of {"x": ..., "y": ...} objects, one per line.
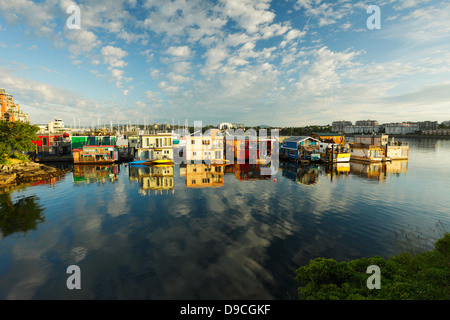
[
  {"x": 401, "y": 128},
  {"x": 338, "y": 126},
  {"x": 9, "y": 111},
  {"x": 225, "y": 126},
  {"x": 361, "y": 129},
  {"x": 437, "y": 132},
  {"x": 366, "y": 123},
  {"x": 428, "y": 125}
]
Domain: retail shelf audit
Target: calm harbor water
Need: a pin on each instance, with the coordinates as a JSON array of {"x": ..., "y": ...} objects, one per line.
[{"x": 200, "y": 232}]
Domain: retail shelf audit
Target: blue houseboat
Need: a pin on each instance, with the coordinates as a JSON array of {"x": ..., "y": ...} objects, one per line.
[{"x": 301, "y": 148}]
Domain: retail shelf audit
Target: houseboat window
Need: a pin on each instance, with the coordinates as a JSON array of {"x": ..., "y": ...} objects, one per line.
[
  {"x": 91, "y": 141},
  {"x": 192, "y": 141}
]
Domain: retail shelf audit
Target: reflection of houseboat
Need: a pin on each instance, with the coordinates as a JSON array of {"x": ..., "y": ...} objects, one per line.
[
  {"x": 300, "y": 149},
  {"x": 95, "y": 173},
  {"x": 247, "y": 171},
  {"x": 201, "y": 175},
  {"x": 95, "y": 155},
  {"x": 153, "y": 178},
  {"x": 304, "y": 174},
  {"x": 332, "y": 152},
  {"x": 379, "y": 171}
]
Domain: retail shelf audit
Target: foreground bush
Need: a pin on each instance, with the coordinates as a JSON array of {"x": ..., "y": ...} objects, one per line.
[{"x": 424, "y": 276}]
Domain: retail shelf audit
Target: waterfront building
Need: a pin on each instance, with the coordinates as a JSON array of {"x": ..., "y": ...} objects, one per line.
[
  {"x": 300, "y": 148},
  {"x": 53, "y": 144},
  {"x": 158, "y": 146},
  {"x": 373, "y": 147},
  {"x": 95, "y": 155},
  {"x": 428, "y": 125},
  {"x": 79, "y": 141},
  {"x": 377, "y": 140},
  {"x": 333, "y": 152},
  {"x": 438, "y": 132},
  {"x": 10, "y": 111},
  {"x": 367, "y": 153},
  {"x": 401, "y": 128},
  {"x": 208, "y": 148},
  {"x": 337, "y": 138}
]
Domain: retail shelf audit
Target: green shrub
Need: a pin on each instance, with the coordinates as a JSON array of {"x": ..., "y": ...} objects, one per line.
[{"x": 424, "y": 276}]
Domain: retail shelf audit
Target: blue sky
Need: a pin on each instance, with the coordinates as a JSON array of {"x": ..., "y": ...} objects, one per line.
[{"x": 281, "y": 63}]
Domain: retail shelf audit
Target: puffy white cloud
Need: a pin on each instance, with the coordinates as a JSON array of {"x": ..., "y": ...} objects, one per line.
[
  {"x": 113, "y": 56},
  {"x": 179, "y": 52}
]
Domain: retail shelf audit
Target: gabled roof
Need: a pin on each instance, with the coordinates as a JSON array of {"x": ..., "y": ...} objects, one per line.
[
  {"x": 330, "y": 134},
  {"x": 298, "y": 139}
]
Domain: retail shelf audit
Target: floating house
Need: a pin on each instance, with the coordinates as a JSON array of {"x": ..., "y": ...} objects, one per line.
[
  {"x": 390, "y": 150},
  {"x": 96, "y": 155},
  {"x": 153, "y": 147},
  {"x": 208, "y": 148},
  {"x": 300, "y": 148},
  {"x": 367, "y": 153},
  {"x": 79, "y": 141},
  {"x": 332, "y": 152},
  {"x": 53, "y": 144},
  {"x": 337, "y": 138}
]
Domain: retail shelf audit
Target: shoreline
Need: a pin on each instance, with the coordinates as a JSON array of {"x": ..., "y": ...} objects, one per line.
[{"x": 16, "y": 175}]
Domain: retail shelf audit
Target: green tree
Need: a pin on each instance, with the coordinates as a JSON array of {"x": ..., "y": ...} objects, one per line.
[{"x": 16, "y": 136}]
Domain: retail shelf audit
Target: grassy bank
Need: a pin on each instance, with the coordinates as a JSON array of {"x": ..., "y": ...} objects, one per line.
[
  {"x": 15, "y": 158},
  {"x": 424, "y": 276}
]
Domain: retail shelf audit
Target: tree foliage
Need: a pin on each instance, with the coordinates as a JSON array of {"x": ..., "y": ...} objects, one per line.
[
  {"x": 16, "y": 136},
  {"x": 22, "y": 216},
  {"x": 424, "y": 276}
]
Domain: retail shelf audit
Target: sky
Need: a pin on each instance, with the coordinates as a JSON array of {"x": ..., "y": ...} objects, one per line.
[{"x": 258, "y": 62}]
